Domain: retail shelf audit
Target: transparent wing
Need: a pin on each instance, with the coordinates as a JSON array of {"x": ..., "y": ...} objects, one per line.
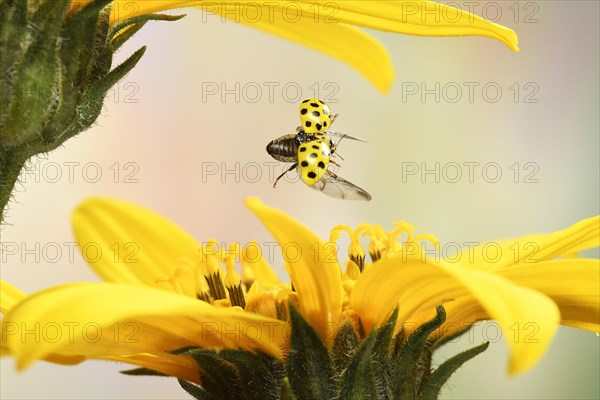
[
  {"x": 336, "y": 187},
  {"x": 344, "y": 136}
]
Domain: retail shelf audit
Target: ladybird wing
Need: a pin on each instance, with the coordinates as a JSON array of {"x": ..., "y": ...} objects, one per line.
[
  {"x": 315, "y": 116},
  {"x": 344, "y": 136},
  {"x": 339, "y": 188},
  {"x": 313, "y": 159}
]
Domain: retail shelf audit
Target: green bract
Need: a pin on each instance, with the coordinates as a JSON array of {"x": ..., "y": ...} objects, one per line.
[{"x": 56, "y": 69}]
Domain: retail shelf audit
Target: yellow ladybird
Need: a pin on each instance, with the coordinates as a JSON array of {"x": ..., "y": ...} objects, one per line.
[
  {"x": 315, "y": 116},
  {"x": 310, "y": 151}
]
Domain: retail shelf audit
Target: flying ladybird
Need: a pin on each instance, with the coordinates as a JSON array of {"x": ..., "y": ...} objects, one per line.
[{"x": 310, "y": 150}]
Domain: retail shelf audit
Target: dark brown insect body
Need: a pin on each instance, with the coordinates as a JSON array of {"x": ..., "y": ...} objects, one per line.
[{"x": 284, "y": 148}]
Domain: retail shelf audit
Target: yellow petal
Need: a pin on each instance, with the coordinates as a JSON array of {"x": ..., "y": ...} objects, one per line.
[
  {"x": 184, "y": 367},
  {"x": 316, "y": 277},
  {"x": 253, "y": 259},
  {"x": 9, "y": 296},
  {"x": 421, "y": 18},
  {"x": 574, "y": 284},
  {"x": 340, "y": 41},
  {"x": 126, "y": 243},
  {"x": 532, "y": 249},
  {"x": 416, "y": 285},
  {"x": 103, "y": 319}
]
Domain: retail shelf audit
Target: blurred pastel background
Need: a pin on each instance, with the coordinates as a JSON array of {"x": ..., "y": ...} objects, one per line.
[{"x": 162, "y": 133}]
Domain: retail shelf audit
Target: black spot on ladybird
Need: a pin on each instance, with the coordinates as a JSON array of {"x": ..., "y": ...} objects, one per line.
[
  {"x": 306, "y": 101},
  {"x": 316, "y": 114},
  {"x": 313, "y": 155},
  {"x": 312, "y": 175},
  {"x": 305, "y": 164},
  {"x": 304, "y": 111},
  {"x": 308, "y": 124},
  {"x": 314, "y": 146},
  {"x": 303, "y": 149},
  {"x": 315, "y": 105},
  {"x": 321, "y": 165},
  {"x": 325, "y": 124},
  {"x": 319, "y": 126}
]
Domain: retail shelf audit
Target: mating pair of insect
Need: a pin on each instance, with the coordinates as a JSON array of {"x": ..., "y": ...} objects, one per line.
[{"x": 310, "y": 150}]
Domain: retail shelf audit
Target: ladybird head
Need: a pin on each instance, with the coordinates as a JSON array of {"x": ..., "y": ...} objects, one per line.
[{"x": 315, "y": 116}]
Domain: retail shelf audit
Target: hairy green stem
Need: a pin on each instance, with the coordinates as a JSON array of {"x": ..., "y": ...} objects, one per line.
[{"x": 11, "y": 163}]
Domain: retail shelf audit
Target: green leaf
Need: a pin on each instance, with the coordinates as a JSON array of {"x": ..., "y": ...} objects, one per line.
[
  {"x": 116, "y": 28},
  {"x": 431, "y": 388},
  {"x": 358, "y": 380},
  {"x": 221, "y": 372},
  {"x": 142, "y": 372},
  {"x": 308, "y": 365},
  {"x": 344, "y": 347},
  {"x": 407, "y": 364},
  {"x": 259, "y": 374},
  {"x": 195, "y": 391}
]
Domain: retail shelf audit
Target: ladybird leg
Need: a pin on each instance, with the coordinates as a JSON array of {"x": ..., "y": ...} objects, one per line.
[
  {"x": 331, "y": 174},
  {"x": 293, "y": 167},
  {"x": 333, "y": 117},
  {"x": 334, "y": 163}
]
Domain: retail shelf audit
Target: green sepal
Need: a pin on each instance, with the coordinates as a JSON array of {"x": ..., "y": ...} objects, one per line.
[
  {"x": 286, "y": 390},
  {"x": 125, "y": 35},
  {"x": 431, "y": 388},
  {"x": 259, "y": 374},
  {"x": 93, "y": 99},
  {"x": 195, "y": 391},
  {"x": 35, "y": 78},
  {"x": 408, "y": 366},
  {"x": 13, "y": 29},
  {"x": 358, "y": 381},
  {"x": 382, "y": 356},
  {"x": 116, "y": 28},
  {"x": 345, "y": 344},
  {"x": 184, "y": 349},
  {"x": 77, "y": 53},
  {"x": 309, "y": 367},
  {"x": 438, "y": 341},
  {"x": 142, "y": 372},
  {"x": 218, "y": 376},
  {"x": 55, "y": 70}
]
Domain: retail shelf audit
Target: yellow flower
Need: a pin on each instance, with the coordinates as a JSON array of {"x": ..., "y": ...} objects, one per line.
[
  {"x": 330, "y": 27},
  {"x": 165, "y": 291}
]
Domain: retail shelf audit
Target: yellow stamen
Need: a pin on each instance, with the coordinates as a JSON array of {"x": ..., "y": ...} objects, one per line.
[
  {"x": 378, "y": 244},
  {"x": 355, "y": 250}
]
